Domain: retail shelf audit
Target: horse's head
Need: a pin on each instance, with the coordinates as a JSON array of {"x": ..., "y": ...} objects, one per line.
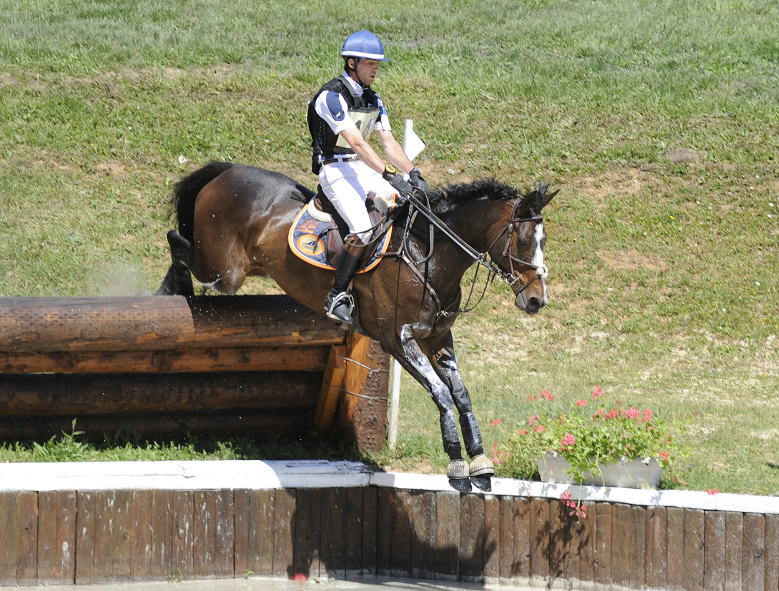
[{"x": 519, "y": 249}]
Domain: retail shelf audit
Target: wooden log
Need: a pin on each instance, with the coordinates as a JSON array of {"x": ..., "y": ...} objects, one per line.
[
  {"x": 602, "y": 548},
  {"x": 386, "y": 499},
  {"x": 308, "y": 522},
  {"x": 370, "y": 532},
  {"x": 283, "y": 533},
  {"x": 572, "y": 529},
  {"x": 472, "y": 536},
  {"x": 363, "y": 410},
  {"x": 123, "y": 528},
  {"x": 159, "y": 323},
  {"x": 675, "y": 572},
  {"x": 140, "y": 559},
  {"x": 330, "y": 392},
  {"x": 8, "y": 547},
  {"x": 309, "y": 357},
  {"x": 85, "y": 538},
  {"x": 621, "y": 525},
  {"x": 242, "y": 502},
  {"x": 507, "y": 529},
  {"x": 714, "y": 555},
  {"x": 423, "y": 535},
  {"x": 557, "y": 520},
  {"x": 587, "y": 544},
  {"x": 771, "y": 553},
  {"x": 638, "y": 548},
  {"x": 103, "y": 566},
  {"x": 224, "y": 538},
  {"x": 753, "y": 570},
  {"x": 656, "y": 547},
  {"x": 47, "y": 536},
  {"x": 182, "y": 565},
  {"x": 261, "y": 531},
  {"x": 204, "y": 534},
  {"x": 161, "y": 561},
  {"x": 90, "y": 394},
  {"x": 333, "y": 545},
  {"x": 258, "y": 423},
  {"x": 520, "y": 566},
  {"x": 734, "y": 527},
  {"x": 491, "y": 570},
  {"x": 401, "y": 534},
  {"x": 447, "y": 535},
  {"x": 694, "y": 560},
  {"x": 353, "y": 529},
  {"x": 27, "y": 538},
  {"x": 539, "y": 538}
]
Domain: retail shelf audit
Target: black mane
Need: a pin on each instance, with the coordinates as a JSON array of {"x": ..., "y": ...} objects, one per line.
[{"x": 452, "y": 196}]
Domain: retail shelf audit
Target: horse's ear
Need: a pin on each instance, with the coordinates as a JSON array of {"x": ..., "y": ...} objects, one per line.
[{"x": 548, "y": 197}]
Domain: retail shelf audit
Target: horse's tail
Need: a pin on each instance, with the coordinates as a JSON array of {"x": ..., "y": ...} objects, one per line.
[{"x": 186, "y": 190}]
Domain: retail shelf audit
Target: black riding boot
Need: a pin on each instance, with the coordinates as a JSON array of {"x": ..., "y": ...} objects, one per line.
[{"x": 339, "y": 303}]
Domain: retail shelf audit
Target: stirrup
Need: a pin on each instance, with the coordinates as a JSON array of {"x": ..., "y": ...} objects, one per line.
[{"x": 341, "y": 299}]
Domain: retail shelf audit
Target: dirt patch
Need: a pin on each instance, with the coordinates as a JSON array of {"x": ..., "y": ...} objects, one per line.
[
  {"x": 678, "y": 155},
  {"x": 110, "y": 169},
  {"x": 630, "y": 260}
]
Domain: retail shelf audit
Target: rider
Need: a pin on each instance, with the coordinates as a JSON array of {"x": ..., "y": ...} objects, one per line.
[{"x": 341, "y": 117}]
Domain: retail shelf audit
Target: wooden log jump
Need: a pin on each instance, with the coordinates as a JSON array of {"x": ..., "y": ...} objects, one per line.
[{"x": 255, "y": 365}]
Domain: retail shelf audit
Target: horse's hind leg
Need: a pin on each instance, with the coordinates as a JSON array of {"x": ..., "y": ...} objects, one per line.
[
  {"x": 445, "y": 366},
  {"x": 178, "y": 281},
  {"x": 416, "y": 363}
]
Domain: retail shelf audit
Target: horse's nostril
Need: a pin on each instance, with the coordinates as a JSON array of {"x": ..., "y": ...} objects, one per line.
[{"x": 533, "y": 305}]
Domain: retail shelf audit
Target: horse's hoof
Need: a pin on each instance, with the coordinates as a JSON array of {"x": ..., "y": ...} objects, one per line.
[
  {"x": 482, "y": 482},
  {"x": 460, "y": 484}
]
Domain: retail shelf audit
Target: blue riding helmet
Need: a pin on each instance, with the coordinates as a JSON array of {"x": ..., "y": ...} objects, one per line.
[{"x": 364, "y": 44}]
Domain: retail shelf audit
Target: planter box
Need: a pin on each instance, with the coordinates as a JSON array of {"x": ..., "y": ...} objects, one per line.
[{"x": 638, "y": 473}]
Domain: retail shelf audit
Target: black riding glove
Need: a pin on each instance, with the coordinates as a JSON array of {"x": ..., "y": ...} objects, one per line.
[
  {"x": 394, "y": 178},
  {"x": 416, "y": 181}
]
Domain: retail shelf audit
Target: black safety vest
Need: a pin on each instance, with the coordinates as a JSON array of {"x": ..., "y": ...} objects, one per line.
[{"x": 363, "y": 110}]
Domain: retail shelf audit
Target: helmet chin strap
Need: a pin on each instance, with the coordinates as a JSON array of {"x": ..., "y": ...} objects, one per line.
[{"x": 356, "y": 75}]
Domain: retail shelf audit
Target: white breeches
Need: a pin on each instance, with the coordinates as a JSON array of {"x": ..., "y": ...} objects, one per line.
[{"x": 346, "y": 185}]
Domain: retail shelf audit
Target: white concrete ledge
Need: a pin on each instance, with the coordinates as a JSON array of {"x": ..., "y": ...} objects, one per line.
[{"x": 245, "y": 474}]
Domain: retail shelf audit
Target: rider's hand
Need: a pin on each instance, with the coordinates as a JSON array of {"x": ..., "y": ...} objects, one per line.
[
  {"x": 416, "y": 181},
  {"x": 394, "y": 178}
]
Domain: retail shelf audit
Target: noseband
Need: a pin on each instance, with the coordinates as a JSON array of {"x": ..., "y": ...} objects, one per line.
[{"x": 511, "y": 277}]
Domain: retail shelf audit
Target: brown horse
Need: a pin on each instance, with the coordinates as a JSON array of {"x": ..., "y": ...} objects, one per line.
[{"x": 233, "y": 222}]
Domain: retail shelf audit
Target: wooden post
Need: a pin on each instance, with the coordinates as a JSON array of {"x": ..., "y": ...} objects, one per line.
[
  {"x": 331, "y": 390},
  {"x": 363, "y": 412}
]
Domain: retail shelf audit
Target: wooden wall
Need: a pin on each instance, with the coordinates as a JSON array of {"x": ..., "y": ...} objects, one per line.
[{"x": 156, "y": 535}]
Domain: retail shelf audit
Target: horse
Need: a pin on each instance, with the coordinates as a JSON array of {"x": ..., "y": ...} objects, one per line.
[{"x": 233, "y": 222}]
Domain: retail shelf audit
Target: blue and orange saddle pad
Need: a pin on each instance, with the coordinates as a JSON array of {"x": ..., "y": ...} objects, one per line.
[{"x": 308, "y": 239}]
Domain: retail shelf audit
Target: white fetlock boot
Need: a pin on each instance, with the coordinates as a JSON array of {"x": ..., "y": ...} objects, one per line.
[
  {"x": 482, "y": 470},
  {"x": 458, "y": 473}
]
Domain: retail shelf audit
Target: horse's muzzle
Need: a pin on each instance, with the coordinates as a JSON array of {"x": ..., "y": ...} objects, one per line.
[{"x": 531, "y": 302}]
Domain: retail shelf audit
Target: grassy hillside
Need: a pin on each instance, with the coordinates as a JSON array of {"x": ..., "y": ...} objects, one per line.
[{"x": 657, "y": 122}]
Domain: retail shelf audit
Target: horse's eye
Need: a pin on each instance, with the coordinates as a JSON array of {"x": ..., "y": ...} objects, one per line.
[{"x": 523, "y": 242}]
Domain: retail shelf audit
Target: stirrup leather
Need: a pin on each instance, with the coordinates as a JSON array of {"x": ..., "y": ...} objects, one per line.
[{"x": 343, "y": 297}]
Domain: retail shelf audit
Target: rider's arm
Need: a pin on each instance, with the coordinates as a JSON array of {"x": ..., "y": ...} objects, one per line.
[
  {"x": 363, "y": 149},
  {"x": 394, "y": 151}
]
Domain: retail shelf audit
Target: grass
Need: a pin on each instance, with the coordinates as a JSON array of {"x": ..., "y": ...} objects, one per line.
[{"x": 658, "y": 123}]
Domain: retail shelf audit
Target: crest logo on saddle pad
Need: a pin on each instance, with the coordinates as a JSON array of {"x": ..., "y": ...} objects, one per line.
[{"x": 310, "y": 244}]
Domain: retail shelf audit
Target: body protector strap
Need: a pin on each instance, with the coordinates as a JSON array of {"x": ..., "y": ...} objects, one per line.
[{"x": 363, "y": 110}]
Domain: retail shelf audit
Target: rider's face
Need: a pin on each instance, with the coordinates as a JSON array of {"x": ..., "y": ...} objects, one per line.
[{"x": 366, "y": 70}]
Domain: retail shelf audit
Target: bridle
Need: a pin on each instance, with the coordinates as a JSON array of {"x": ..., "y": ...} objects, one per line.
[
  {"x": 541, "y": 270},
  {"x": 482, "y": 259}
]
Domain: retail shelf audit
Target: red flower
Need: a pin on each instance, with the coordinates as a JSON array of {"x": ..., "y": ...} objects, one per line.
[
  {"x": 581, "y": 402},
  {"x": 546, "y": 395},
  {"x": 596, "y": 392},
  {"x": 713, "y": 491}
]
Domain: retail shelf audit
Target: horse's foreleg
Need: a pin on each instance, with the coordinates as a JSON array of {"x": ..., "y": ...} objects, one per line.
[
  {"x": 417, "y": 364},
  {"x": 445, "y": 366}
]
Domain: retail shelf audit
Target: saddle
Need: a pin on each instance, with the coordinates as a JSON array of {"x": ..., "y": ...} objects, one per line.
[{"x": 338, "y": 228}]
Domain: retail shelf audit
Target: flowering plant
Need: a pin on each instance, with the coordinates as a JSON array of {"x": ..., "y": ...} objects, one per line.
[{"x": 588, "y": 434}]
